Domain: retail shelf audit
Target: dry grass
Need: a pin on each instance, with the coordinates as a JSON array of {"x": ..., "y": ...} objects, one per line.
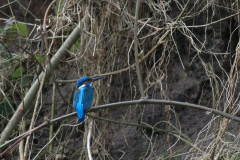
[{"x": 106, "y": 45}]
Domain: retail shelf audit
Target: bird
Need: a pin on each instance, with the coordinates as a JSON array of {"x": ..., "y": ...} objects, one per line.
[{"x": 84, "y": 96}]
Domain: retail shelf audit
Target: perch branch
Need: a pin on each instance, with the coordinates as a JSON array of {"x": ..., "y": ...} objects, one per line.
[{"x": 127, "y": 103}]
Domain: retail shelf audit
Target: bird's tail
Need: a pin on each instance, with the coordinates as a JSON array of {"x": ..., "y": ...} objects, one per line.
[{"x": 80, "y": 113}]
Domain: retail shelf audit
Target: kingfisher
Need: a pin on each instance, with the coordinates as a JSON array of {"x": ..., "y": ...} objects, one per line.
[{"x": 84, "y": 96}]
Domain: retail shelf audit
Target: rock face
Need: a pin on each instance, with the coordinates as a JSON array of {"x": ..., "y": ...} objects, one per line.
[{"x": 190, "y": 70}]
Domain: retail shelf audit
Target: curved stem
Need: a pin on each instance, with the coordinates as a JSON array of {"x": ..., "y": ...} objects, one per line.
[{"x": 125, "y": 103}]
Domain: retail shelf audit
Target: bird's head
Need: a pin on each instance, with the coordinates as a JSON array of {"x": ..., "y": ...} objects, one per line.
[{"x": 86, "y": 81}]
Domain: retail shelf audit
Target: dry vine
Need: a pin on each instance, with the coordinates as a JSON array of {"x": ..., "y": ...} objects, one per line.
[{"x": 178, "y": 40}]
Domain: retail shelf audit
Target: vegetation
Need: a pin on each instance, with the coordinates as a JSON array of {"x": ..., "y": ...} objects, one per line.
[{"x": 170, "y": 90}]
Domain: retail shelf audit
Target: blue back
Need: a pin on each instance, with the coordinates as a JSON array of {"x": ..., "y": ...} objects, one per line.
[{"x": 82, "y": 100}]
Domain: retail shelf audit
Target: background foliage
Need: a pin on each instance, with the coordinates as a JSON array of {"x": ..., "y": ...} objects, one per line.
[{"x": 196, "y": 62}]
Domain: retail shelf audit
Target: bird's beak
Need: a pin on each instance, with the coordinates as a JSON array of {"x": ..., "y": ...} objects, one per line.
[{"x": 96, "y": 78}]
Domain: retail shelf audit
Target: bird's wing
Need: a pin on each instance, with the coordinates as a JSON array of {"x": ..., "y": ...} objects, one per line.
[
  {"x": 76, "y": 98},
  {"x": 87, "y": 97}
]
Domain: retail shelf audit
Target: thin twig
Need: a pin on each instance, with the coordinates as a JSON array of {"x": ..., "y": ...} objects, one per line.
[
  {"x": 34, "y": 113},
  {"x": 45, "y": 23},
  {"x": 155, "y": 129},
  {"x": 89, "y": 140},
  {"x": 139, "y": 77},
  {"x": 116, "y": 6},
  {"x": 52, "y": 114},
  {"x": 160, "y": 41}
]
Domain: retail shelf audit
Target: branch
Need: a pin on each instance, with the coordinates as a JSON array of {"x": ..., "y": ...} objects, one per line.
[
  {"x": 45, "y": 124},
  {"x": 166, "y": 102},
  {"x": 126, "y": 103}
]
